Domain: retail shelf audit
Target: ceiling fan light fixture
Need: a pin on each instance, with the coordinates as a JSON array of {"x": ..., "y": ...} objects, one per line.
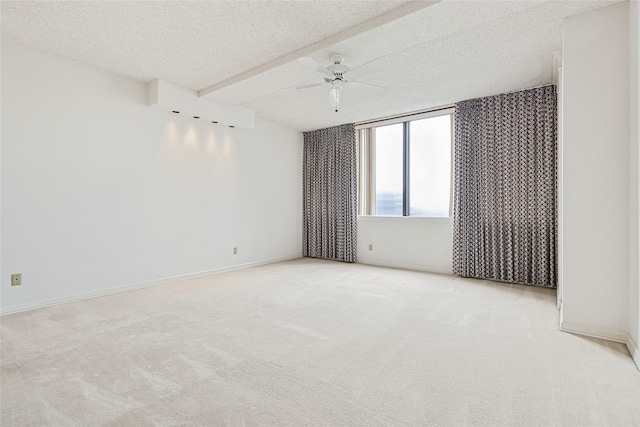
[{"x": 334, "y": 97}]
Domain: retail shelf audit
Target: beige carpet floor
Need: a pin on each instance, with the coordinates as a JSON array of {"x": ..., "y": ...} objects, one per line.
[{"x": 312, "y": 343}]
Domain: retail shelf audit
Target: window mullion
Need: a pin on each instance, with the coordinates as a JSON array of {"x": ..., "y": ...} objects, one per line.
[
  {"x": 405, "y": 169},
  {"x": 371, "y": 182}
]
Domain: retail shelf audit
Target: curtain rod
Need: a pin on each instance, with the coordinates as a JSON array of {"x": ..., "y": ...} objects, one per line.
[
  {"x": 512, "y": 91},
  {"x": 442, "y": 107},
  {"x": 413, "y": 113},
  {"x": 529, "y": 88}
]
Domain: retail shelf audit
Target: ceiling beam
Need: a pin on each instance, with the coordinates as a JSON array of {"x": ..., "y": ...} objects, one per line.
[{"x": 370, "y": 24}]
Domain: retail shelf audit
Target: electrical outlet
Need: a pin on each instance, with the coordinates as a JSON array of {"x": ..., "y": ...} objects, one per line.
[
  {"x": 370, "y": 247},
  {"x": 16, "y": 279},
  {"x": 235, "y": 251}
]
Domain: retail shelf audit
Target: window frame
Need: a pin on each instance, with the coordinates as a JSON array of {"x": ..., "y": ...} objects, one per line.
[{"x": 366, "y": 161}]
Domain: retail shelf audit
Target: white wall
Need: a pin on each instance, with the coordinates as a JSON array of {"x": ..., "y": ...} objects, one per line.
[
  {"x": 406, "y": 242},
  {"x": 100, "y": 191},
  {"x": 596, "y": 172},
  {"x": 634, "y": 133}
]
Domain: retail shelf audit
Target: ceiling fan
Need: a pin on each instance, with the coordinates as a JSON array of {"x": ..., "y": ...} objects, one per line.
[{"x": 337, "y": 76}]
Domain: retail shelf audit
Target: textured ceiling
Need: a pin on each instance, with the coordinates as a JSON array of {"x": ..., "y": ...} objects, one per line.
[
  {"x": 437, "y": 55},
  {"x": 193, "y": 43}
]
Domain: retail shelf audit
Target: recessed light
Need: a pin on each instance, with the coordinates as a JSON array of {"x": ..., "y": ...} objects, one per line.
[
  {"x": 231, "y": 126},
  {"x": 196, "y": 117},
  {"x": 213, "y": 121},
  {"x": 176, "y": 111}
]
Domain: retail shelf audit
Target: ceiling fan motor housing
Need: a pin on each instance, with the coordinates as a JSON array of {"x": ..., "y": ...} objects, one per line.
[{"x": 337, "y": 68}]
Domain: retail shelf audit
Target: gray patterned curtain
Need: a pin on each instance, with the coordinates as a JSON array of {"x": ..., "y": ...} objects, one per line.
[
  {"x": 505, "y": 214},
  {"x": 330, "y": 182}
]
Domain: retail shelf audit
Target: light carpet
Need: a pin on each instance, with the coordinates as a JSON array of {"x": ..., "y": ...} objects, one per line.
[{"x": 312, "y": 343}]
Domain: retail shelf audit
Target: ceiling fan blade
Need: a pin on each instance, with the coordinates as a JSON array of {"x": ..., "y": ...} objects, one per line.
[
  {"x": 312, "y": 64},
  {"x": 372, "y": 67},
  {"x": 366, "y": 87},
  {"x": 292, "y": 88}
]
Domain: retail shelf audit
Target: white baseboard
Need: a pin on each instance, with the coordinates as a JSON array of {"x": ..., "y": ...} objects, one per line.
[
  {"x": 633, "y": 349},
  {"x": 405, "y": 266},
  {"x": 589, "y": 331},
  {"x": 133, "y": 286}
]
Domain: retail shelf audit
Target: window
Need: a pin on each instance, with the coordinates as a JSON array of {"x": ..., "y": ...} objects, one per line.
[{"x": 405, "y": 166}]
